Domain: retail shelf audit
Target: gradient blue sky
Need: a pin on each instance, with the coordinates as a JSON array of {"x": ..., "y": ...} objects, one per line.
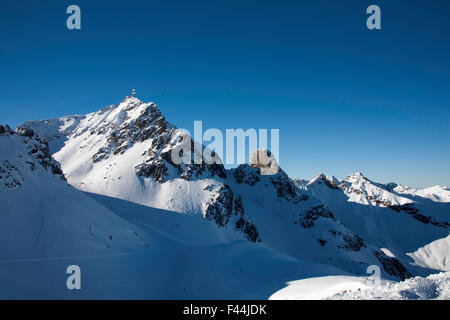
[{"x": 345, "y": 98}]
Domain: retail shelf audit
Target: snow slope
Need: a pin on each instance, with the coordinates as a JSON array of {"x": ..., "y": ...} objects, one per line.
[
  {"x": 124, "y": 250},
  {"x": 436, "y": 193},
  {"x": 436, "y": 286},
  {"x": 435, "y": 255},
  {"x": 43, "y": 216}
]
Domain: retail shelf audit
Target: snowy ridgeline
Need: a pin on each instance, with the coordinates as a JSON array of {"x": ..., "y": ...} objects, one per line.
[{"x": 140, "y": 226}]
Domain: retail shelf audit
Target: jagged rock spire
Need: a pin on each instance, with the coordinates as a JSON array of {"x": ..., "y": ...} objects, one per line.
[{"x": 265, "y": 161}]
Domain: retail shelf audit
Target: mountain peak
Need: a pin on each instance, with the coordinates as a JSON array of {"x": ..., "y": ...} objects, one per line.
[
  {"x": 390, "y": 186},
  {"x": 357, "y": 174},
  {"x": 330, "y": 181},
  {"x": 264, "y": 160},
  {"x": 130, "y": 102},
  {"x": 356, "y": 177}
]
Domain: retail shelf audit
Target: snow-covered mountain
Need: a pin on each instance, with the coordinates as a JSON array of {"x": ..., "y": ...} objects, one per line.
[
  {"x": 120, "y": 175},
  {"x": 124, "y": 250},
  {"x": 124, "y": 152},
  {"x": 386, "y": 217}
]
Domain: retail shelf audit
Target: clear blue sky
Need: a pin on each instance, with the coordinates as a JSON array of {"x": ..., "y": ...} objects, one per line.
[{"x": 345, "y": 98}]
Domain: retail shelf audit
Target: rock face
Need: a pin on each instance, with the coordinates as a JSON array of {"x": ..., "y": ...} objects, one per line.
[
  {"x": 392, "y": 266},
  {"x": 35, "y": 157},
  {"x": 5, "y": 129},
  {"x": 264, "y": 160},
  {"x": 158, "y": 160},
  {"x": 411, "y": 210},
  {"x": 246, "y": 174},
  {"x": 341, "y": 235},
  {"x": 226, "y": 209},
  {"x": 285, "y": 188},
  {"x": 307, "y": 219}
]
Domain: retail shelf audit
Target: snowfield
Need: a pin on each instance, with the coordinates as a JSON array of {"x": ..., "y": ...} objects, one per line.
[
  {"x": 434, "y": 255},
  {"x": 436, "y": 286}
]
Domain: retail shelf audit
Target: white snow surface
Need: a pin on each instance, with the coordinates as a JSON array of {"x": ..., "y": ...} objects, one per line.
[
  {"x": 433, "y": 287},
  {"x": 435, "y": 255},
  {"x": 435, "y": 193}
]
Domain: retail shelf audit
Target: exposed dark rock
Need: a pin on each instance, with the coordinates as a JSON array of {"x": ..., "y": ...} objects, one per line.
[
  {"x": 307, "y": 220},
  {"x": 353, "y": 242},
  {"x": 346, "y": 239},
  {"x": 392, "y": 266},
  {"x": 324, "y": 180},
  {"x": 391, "y": 186},
  {"x": 224, "y": 207},
  {"x": 10, "y": 176},
  {"x": 246, "y": 174},
  {"x": 385, "y": 203},
  {"x": 5, "y": 129},
  {"x": 220, "y": 209},
  {"x": 27, "y": 132},
  {"x": 303, "y": 197},
  {"x": 155, "y": 169},
  {"x": 285, "y": 187},
  {"x": 264, "y": 160},
  {"x": 243, "y": 223},
  {"x": 149, "y": 124},
  {"x": 411, "y": 210},
  {"x": 158, "y": 157},
  {"x": 39, "y": 150}
]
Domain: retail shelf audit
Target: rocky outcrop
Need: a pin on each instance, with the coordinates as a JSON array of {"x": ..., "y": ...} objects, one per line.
[
  {"x": 141, "y": 122},
  {"x": 264, "y": 160},
  {"x": 149, "y": 124},
  {"x": 37, "y": 153},
  {"x": 246, "y": 174},
  {"x": 392, "y": 266},
  {"x": 5, "y": 129},
  {"x": 411, "y": 210},
  {"x": 285, "y": 187},
  {"x": 307, "y": 220},
  {"x": 158, "y": 158},
  {"x": 352, "y": 242},
  {"x": 226, "y": 209},
  {"x": 10, "y": 176},
  {"x": 39, "y": 150},
  {"x": 339, "y": 234}
]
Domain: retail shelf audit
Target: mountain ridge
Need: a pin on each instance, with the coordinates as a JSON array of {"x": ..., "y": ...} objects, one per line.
[{"x": 124, "y": 151}]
